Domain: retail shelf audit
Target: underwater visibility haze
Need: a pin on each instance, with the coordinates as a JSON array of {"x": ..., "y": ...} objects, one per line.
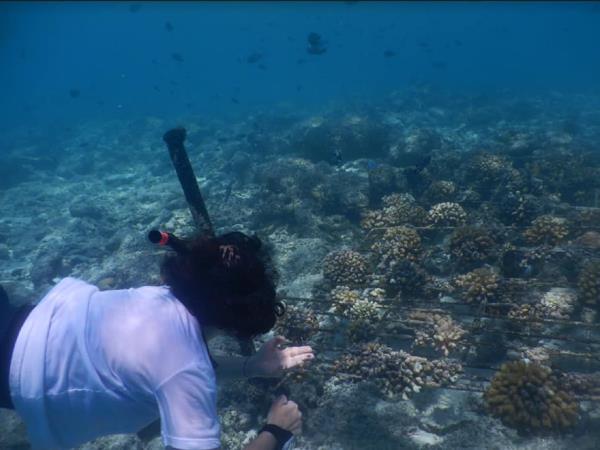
[{"x": 426, "y": 176}]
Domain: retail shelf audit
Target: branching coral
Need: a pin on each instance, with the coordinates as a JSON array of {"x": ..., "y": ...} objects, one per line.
[
  {"x": 488, "y": 166},
  {"x": 440, "y": 191},
  {"x": 345, "y": 267},
  {"x": 364, "y": 318},
  {"x": 362, "y": 309},
  {"x": 470, "y": 244},
  {"x": 558, "y": 303},
  {"x": 529, "y": 397},
  {"x": 398, "y": 209},
  {"x": 479, "y": 285},
  {"x": 297, "y": 324},
  {"x": 398, "y": 243},
  {"x": 589, "y": 284},
  {"x": 547, "y": 229},
  {"x": 440, "y": 332},
  {"x": 406, "y": 277},
  {"x": 342, "y": 298},
  {"x": 447, "y": 214},
  {"x": 396, "y": 373}
]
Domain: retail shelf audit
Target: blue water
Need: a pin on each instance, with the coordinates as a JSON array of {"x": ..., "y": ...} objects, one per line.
[{"x": 121, "y": 62}]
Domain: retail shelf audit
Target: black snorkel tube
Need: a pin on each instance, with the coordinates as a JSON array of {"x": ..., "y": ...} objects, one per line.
[{"x": 166, "y": 238}]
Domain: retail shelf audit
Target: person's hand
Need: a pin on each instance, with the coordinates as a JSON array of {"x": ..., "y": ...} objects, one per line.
[
  {"x": 272, "y": 359},
  {"x": 285, "y": 414}
]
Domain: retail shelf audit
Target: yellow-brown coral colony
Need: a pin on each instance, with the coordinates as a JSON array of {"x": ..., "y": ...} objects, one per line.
[
  {"x": 547, "y": 229},
  {"x": 529, "y": 396},
  {"x": 345, "y": 267},
  {"x": 589, "y": 284}
]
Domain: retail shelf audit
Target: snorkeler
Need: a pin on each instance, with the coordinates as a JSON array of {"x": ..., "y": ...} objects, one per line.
[{"x": 85, "y": 363}]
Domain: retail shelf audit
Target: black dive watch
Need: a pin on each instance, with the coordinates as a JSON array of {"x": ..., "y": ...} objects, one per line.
[{"x": 283, "y": 437}]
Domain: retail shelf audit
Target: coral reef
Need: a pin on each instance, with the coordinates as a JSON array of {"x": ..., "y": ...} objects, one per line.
[
  {"x": 589, "y": 284},
  {"x": 364, "y": 319},
  {"x": 361, "y": 310},
  {"x": 478, "y": 285},
  {"x": 440, "y": 332},
  {"x": 471, "y": 245},
  {"x": 398, "y": 243},
  {"x": 447, "y": 214},
  {"x": 546, "y": 229},
  {"x": 342, "y": 298},
  {"x": 345, "y": 267},
  {"x": 396, "y": 373},
  {"x": 398, "y": 209},
  {"x": 529, "y": 397},
  {"x": 440, "y": 191},
  {"x": 298, "y": 324},
  {"x": 406, "y": 277},
  {"x": 558, "y": 303}
]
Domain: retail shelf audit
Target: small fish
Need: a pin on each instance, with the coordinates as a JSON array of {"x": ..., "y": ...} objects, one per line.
[
  {"x": 389, "y": 53},
  {"x": 177, "y": 57},
  {"x": 423, "y": 44},
  {"x": 156, "y": 88},
  {"x": 228, "y": 190},
  {"x": 299, "y": 88},
  {"x": 262, "y": 67},
  {"x": 439, "y": 65},
  {"x": 458, "y": 42},
  {"x": 169, "y": 26},
  {"x": 74, "y": 93},
  {"x": 372, "y": 165},
  {"x": 337, "y": 155},
  {"x": 254, "y": 57},
  {"x": 235, "y": 100},
  {"x": 316, "y": 45},
  {"x": 300, "y": 61}
]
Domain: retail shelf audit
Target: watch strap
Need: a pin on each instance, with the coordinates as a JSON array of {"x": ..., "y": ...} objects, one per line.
[{"x": 281, "y": 436}]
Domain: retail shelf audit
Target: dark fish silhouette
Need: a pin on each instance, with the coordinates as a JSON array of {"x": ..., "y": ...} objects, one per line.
[
  {"x": 156, "y": 88},
  {"x": 439, "y": 65},
  {"x": 298, "y": 88},
  {"x": 135, "y": 7},
  {"x": 169, "y": 26},
  {"x": 177, "y": 57},
  {"x": 423, "y": 44},
  {"x": 262, "y": 67},
  {"x": 228, "y": 190},
  {"x": 74, "y": 93},
  {"x": 316, "y": 44},
  {"x": 458, "y": 43},
  {"x": 300, "y": 61},
  {"x": 235, "y": 100},
  {"x": 389, "y": 53},
  {"x": 254, "y": 57}
]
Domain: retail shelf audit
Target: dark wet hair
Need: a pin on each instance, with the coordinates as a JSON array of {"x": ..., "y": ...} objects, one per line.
[{"x": 227, "y": 282}]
